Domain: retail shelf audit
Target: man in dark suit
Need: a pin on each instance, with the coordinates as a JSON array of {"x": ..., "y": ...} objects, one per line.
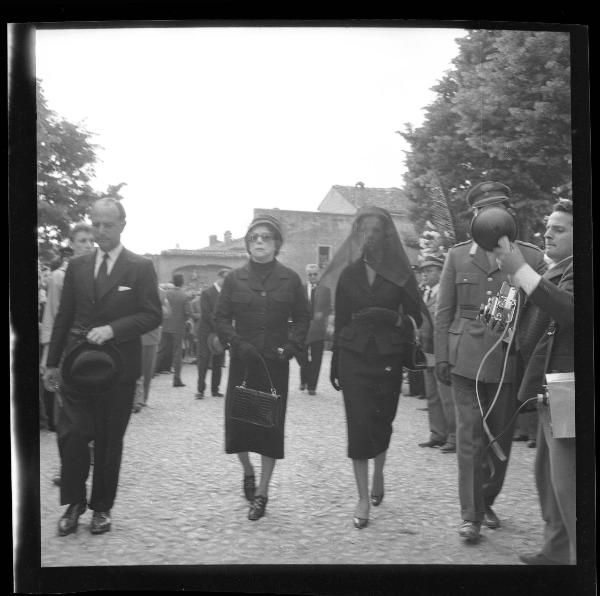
[
  {"x": 205, "y": 359},
  {"x": 111, "y": 296},
  {"x": 548, "y": 326},
  {"x": 469, "y": 277},
  {"x": 171, "y": 341},
  {"x": 319, "y": 303}
]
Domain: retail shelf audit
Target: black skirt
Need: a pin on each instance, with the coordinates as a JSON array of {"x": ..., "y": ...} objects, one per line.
[
  {"x": 242, "y": 436},
  {"x": 371, "y": 386}
]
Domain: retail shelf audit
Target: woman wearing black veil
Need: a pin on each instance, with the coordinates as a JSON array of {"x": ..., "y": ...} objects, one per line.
[{"x": 376, "y": 296}]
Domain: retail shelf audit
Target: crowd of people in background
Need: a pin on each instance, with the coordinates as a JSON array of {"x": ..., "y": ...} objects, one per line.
[{"x": 365, "y": 306}]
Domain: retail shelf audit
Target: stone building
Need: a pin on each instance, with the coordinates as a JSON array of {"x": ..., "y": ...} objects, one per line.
[{"x": 310, "y": 236}]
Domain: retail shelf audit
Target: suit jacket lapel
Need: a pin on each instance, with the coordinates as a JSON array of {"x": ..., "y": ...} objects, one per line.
[
  {"x": 116, "y": 274},
  {"x": 360, "y": 275},
  {"x": 88, "y": 275},
  {"x": 558, "y": 269}
]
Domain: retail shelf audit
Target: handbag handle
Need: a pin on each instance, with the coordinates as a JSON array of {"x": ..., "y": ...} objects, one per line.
[
  {"x": 415, "y": 330},
  {"x": 273, "y": 390}
]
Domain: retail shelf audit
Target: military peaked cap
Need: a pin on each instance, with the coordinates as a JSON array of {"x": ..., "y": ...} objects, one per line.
[{"x": 488, "y": 193}]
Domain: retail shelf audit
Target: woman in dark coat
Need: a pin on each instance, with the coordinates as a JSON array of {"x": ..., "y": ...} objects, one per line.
[
  {"x": 375, "y": 299},
  {"x": 263, "y": 316}
]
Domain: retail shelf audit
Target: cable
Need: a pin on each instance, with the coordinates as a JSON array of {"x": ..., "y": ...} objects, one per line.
[
  {"x": 497, "y": 449},
  {"x": 518, "y": 410},
  {"x": 514, "y": 326}
]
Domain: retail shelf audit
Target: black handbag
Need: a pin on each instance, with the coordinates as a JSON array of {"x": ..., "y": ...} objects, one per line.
[
  {"x": 415, "y": 358},
  {"x": 262, "y": 408}
]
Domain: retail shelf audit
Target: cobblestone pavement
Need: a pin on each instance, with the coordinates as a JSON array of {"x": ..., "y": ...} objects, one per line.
[{"x": 180, "y": 500}]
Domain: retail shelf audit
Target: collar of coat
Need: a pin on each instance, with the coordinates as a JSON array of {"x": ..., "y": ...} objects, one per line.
[
  {"x": 558, "y": 268},
  {"x": 273, "y": 280}
]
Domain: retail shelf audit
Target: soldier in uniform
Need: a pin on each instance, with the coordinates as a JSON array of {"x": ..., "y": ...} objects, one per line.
[{"x": 469, "y": 277}]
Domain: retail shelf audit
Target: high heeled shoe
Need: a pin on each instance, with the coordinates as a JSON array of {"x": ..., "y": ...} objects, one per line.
[
  {"x": 360, "y": 522},
  {"x": 257, "y": 507},
  {"x": 376, "y": 499}
]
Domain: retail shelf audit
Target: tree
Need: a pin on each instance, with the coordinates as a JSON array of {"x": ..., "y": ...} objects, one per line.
[
  {"x": 65, "y": 167},
  {"x": 502, "y": 113}
]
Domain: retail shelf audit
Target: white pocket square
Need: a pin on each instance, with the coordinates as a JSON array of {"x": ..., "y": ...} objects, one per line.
[{"x": 123, "y": 288}]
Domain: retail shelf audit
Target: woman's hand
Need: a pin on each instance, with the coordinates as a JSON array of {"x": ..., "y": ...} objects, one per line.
[
  {"x": 286, "y": 353},
  {"x": 334, "y": 375},
  {"x": 377, "y": 314}
]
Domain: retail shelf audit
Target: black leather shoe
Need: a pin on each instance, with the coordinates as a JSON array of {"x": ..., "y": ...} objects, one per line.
[
  {"x": 136, "y": 408},
  {"x": 431, "y": 443},
  {"x": 538, "y": 559},
  {"x": 312, "y": 392},
  {"x": 257, "y": 507},
  {"x": 67, "y": 524},
  {"x": 490, "y": 519},
  {"x": 217, "y": 394},
  {"x": 360, "y": 522},
  {"x": 531, "y": 444},
  {"x": 199, "y": 395},
  {"x": 376, "y": 499},
  {"x": 178, "y": 384},
  {"x": 249, "y": 487},
  {"x": 469, "y": 530},
  {"x": 302, "y": 386},
  {"x": 448, "y": 448},
  {"x": 520, "y": 438},
  {"x": 100, "y": 522},
  {"x": 56, "y": 480}
]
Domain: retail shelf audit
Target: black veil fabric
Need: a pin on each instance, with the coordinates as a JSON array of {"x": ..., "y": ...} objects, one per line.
[{"x": 394, "y": 266}]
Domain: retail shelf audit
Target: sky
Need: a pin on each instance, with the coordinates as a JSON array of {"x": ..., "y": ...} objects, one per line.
[{"x": 206, "y": 124}]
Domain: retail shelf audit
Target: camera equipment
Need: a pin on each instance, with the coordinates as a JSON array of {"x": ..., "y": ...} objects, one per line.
[
  {"x": 499, "y": 312},
  {"x": 490, "y": 223}
]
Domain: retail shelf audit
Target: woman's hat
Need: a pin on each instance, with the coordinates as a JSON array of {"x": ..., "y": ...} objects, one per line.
[
  {"x": 267, "y": 220},
  {"x": 91, "y": 368},
  {"x": 214, "y": 344}
]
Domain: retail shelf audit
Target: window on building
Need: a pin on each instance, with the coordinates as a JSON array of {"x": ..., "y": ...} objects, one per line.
[{"x": 323, "y": 256}]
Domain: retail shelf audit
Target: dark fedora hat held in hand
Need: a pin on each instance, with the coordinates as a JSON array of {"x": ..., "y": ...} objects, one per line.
[
  {"x": 214, "y": 344},
  {"x": 91, "y": 369}
]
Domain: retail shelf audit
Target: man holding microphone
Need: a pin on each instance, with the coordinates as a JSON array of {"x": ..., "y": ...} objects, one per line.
[{"x": 545, "y": 337}]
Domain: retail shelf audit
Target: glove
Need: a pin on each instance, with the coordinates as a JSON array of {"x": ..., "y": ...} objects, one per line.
[
  {"x": 377, "y": 314},
  {"x": 442, "y": 372},
  {"x": 334, "y": 375},
  {"x": 247, "y": 352},
  {"x": 287, "y": 352}
]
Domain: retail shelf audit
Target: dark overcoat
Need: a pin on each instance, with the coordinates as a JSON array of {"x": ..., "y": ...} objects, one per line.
[
  {"x": 269, "y": 314},
  {"x": 258, "y": 312},
  {"x": 551, "y": 300}
]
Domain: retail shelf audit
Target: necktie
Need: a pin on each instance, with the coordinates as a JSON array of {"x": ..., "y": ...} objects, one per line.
[
  {"x": 427, "y": 294},
  {"x": 312, "y": 293},
  {"x": 102, "y": 277}
]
